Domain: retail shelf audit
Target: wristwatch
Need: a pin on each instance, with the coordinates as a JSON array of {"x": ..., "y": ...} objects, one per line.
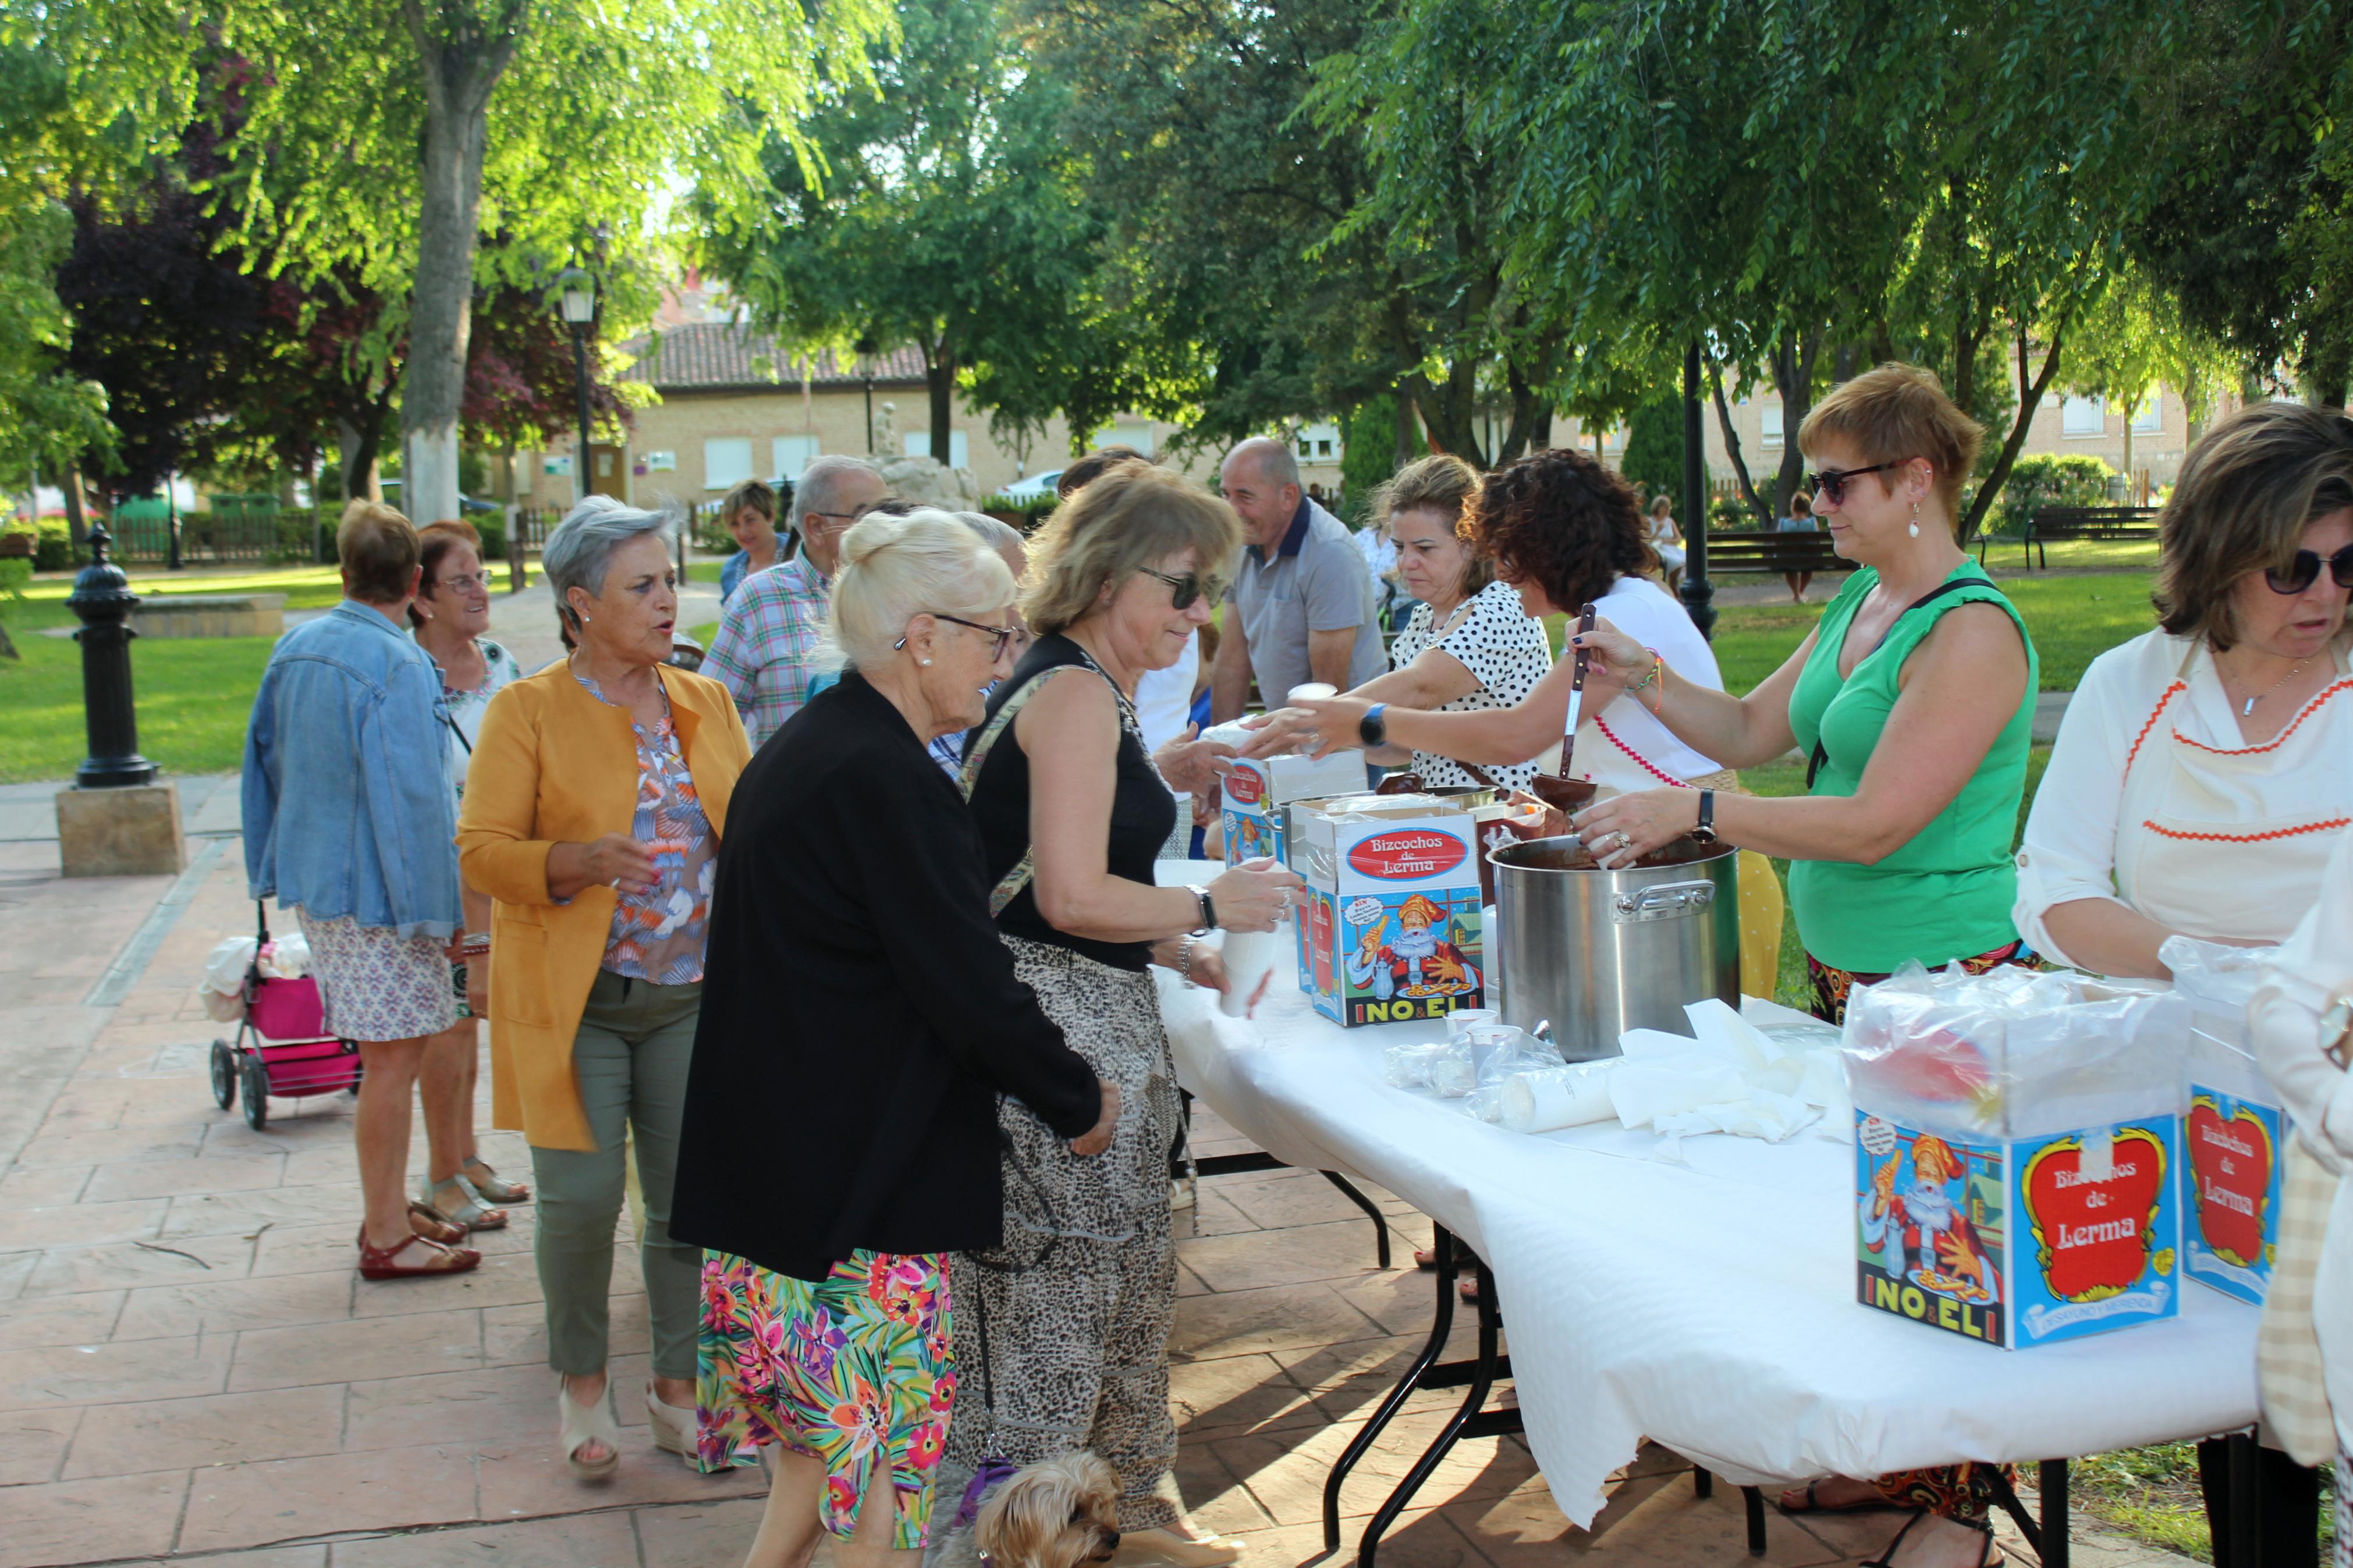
[
  {"x": 1209, "y": 913},
  {"x": 1370, "y": 729},
  {"x": 1704, "y": 831}
]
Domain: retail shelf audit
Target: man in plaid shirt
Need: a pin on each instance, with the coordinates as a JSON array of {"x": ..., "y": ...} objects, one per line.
[{"x": 766, "y": 643}]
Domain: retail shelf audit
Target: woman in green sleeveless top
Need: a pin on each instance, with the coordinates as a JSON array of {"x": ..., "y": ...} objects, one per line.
[{"x": 1914, "y": 699}]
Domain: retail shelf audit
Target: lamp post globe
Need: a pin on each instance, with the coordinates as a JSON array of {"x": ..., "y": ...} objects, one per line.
[{"x": 577, "y": 297}]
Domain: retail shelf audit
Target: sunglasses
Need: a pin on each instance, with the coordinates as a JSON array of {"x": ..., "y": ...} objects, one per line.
[
  {"x": 1001, "y": 636},
  {"x": 1831, "y": 483},
  {"x": 2305, "y": 571},
  {"x": 1189, "y": 588}
]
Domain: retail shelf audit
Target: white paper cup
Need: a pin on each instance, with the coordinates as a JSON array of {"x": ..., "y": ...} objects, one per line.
[
  {"x": 1248, "y": 955},
  {"x": 1463, "y": 1020},
  {"x": 1312, "y": 691}
]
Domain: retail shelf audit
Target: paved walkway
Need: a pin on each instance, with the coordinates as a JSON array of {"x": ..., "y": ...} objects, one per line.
[{"x": 190, "y": 1369}]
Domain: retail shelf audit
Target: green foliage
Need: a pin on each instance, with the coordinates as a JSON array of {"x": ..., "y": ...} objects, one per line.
[
  {"x": 46, "y": 412},
  {"x": 53, "y": 542},
  {"x": 1654, "y": 446},
  {"x": 2044, "y": 479},
  {"x": 1729, "y": 513},
  {"x": 1031, "y": 511},
  {"x": 1367, "y": 453},
  {"x": 15, "y": 572}
]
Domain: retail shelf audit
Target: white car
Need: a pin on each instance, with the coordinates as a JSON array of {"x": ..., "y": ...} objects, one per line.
[{"x": 1037, "y": 487}]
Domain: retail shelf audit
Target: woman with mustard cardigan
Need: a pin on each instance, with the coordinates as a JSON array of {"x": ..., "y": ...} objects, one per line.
[{"x": 594, "y": 805}]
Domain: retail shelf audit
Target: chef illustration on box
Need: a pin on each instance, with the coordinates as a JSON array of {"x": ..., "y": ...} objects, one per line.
[
  {"x": 1940, "y": 1247},
  {"x": 1417, "y": 962}
]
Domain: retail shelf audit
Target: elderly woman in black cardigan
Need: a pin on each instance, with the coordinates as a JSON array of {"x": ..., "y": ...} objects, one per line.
[{"x": 860, "y": 1012}]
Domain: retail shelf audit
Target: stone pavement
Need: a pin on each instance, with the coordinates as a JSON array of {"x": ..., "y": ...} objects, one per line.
[{"x": 189, "y": 1369}]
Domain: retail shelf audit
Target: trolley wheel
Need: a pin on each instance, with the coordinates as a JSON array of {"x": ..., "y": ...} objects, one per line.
[
  {"x": 224, "y": 1075},
  {"x": 257, "y": 1093}
]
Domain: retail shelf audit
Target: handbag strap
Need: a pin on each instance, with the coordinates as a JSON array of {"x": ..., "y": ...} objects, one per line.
[{"x": 1008, "y": 887}]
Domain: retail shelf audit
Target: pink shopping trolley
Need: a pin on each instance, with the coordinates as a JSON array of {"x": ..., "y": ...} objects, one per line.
[{"x": 282, "y": 1047}]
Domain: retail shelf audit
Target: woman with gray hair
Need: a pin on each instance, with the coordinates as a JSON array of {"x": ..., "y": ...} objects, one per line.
[{"x": 594, "y": 807}]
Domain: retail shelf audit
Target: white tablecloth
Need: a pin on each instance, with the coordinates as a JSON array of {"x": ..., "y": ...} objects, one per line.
[{"x": 1707, "y": 1305}]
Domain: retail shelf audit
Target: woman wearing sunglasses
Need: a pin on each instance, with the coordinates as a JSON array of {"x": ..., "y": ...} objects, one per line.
[
  {"x": 2203, "y": 774},
  {"x": 1075, "y": 1309},
  {"x": 2205, "y": 767}
]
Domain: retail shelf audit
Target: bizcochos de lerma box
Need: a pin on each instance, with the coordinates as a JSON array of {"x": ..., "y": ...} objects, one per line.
[{"x": 1392, "y": 926}]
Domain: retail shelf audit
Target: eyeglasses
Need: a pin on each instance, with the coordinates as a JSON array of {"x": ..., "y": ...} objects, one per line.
[
  {"x": 843, "y": 516},
  {"x": 1189, "y": 588},
  {"x": 466, "y": 582},
  {"x": 1002, "y": 636},
  {"x": 2306, "y": 570},
  {"x": 1831, "y": 483}
]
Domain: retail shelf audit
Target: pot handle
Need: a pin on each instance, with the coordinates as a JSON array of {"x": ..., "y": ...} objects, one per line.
[{"x": 1661, "y": 901}]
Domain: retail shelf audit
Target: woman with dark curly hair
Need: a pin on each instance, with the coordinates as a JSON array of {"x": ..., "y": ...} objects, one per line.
[{"x": 1564, "y": 532}]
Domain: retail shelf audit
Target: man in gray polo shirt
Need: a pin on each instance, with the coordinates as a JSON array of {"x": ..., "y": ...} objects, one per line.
[{"x": 1302, "y": 597}]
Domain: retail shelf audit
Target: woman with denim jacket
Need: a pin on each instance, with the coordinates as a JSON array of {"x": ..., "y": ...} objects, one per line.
[
  {"x": 594, "y": 804},
  {"x": 343, "y": 827}
]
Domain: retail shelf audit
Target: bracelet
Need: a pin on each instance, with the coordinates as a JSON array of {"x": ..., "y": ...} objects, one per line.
[
  {"x": 1185, "y": 960},
  {"x": 1652, "y": 676}
]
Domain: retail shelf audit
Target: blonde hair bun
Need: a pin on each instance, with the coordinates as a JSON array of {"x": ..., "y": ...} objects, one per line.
[{"x": 895, "y": 568}]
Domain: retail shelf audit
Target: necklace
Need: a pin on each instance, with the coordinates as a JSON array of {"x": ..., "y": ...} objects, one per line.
[{"x": 2248, "y": 710}]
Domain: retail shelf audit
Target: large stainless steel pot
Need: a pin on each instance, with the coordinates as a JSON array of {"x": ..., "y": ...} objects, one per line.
[{"x": 1598, "y": 953}]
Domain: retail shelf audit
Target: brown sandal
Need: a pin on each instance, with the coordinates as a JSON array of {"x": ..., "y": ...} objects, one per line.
[
  {"x": 435, "y": 1226},
  {"x": 1876, "y": 1503},
  {"x": 379, "y": 1262}
]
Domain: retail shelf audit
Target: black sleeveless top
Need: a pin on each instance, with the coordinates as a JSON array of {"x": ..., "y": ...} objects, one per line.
[{"x": 1142, "y": 810}]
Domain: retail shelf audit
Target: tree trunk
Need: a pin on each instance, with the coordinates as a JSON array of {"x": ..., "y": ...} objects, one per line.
[
  {"x": 1732, "y": 449},
  {"x": 463, "y": 52},
  {"x": 1793, "y": 374},
  {"x": 939, "y": 383},
  {"x": 2030, "y": 398},
  {"x": 1407, "y": 424},
  {"x": 76, "y": 524},
  {"x": 358, "y": 448}
]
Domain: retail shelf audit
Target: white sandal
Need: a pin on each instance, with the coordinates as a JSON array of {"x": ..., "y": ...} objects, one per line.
[
  {"x": 675, "y": 1428},
  {"x": 585, "y": 1424}
]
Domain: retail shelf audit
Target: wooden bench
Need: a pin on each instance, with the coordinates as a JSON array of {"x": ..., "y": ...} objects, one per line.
[
  {"x": 1755, "y": 551},
  {"x": 2051, "y": 523}
]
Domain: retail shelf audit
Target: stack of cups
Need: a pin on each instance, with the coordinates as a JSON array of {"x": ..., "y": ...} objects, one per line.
[{"x": 1250, "y": 955}]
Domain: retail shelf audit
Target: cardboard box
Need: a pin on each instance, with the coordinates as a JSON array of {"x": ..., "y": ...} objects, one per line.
[
  {"x": 1256, "y": 791},
  {"x": 2008, "y": 1241},
  {"x": 2234, "y": 1161},
  {"x": 1391, "y": 924}
]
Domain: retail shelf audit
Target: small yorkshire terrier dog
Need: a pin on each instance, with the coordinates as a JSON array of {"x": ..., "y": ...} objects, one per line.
[{"x": 1063, "y": 1513}]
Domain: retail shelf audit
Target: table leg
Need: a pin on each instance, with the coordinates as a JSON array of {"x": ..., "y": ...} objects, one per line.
[
  {"x": 1441, "y": 1242},
  {"x": 1466, "y": 1418},
  {"x": 1752, "y": 1502},
  {"x": 2246, "y": 1503},
  {"x": 2051, "y": 1545},
  {"x": 1372, "y": 1212},
  {"x": 2006, "y": 1497},
  {"x": 1702, "y": 1483}
]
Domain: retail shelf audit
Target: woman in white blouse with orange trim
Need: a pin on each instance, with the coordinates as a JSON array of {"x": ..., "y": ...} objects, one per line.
[{"x": 2205, "y": 770}]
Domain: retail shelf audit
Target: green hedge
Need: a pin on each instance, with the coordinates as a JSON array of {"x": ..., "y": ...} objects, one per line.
[
  {"x": 53, "y": 544},
  {"x": 2044, "y": 479},
  {"x": 1033, "y": 510}
]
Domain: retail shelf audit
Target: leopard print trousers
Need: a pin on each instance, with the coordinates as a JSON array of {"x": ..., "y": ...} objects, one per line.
[{"x": 1075, "y": 1307}]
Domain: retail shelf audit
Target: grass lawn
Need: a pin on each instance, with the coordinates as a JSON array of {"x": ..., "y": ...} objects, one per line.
[
  {"x": 194, "y": 695},
  {"x": 305, "y": 587}
]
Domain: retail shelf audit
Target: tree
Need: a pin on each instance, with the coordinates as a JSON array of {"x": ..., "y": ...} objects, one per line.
[
  {"x": 48, "y": 412},
  {"x": 946, "y": 215},
  {"x": 547, "y": 120},
  {"x": 1654, "y": 444}
]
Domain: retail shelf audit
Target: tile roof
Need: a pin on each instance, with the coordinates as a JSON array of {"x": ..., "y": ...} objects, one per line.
[{"x": 710, "y": 355}]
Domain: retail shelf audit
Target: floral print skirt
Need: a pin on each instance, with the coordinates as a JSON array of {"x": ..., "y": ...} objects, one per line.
[
  {"x": 377, "y": 985},
  {"x": 855, "y": 1370}
]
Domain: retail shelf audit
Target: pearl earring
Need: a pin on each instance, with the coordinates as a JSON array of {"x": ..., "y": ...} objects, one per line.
[
  {"x": 924, "y": 662},
  {"x": 1916, "y": 519}
]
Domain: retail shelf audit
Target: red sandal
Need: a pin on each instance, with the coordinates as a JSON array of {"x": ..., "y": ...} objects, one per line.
[{"x": 380, "y": 1262}]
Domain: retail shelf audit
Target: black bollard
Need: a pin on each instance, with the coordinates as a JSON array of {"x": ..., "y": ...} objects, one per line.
[{"x": 104, "y": 600}]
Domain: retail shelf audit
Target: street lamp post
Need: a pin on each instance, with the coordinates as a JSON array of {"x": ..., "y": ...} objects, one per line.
[
  {"x": 103, "y": 601},
  {"x": 579, "y": 299},
  {"x": 1698, "y": 592}
]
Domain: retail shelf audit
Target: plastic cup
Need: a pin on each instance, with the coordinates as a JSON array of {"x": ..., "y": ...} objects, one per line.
[{"x": 1248, "y": 955}]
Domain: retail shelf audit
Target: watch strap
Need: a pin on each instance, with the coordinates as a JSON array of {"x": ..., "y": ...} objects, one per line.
[{"x": 1372, "y": 728}]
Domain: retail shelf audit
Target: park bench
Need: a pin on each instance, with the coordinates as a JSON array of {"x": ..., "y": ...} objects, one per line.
[
  {"x": 1759, "y": 552},
  {"x": 19, "y": 546},
  {"x": 2051, "y": 523}
]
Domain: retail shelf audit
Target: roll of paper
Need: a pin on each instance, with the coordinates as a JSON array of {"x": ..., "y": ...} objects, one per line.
[{"x": 1559, "y": 1097}]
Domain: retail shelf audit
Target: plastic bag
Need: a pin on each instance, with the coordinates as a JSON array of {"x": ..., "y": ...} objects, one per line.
[
  {"x": 286, "y": 957},
  {"x": 1408, "y": 1067},
  {"x": 225, "y": 967},
  {"x": 2011, "y": 1053}
]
